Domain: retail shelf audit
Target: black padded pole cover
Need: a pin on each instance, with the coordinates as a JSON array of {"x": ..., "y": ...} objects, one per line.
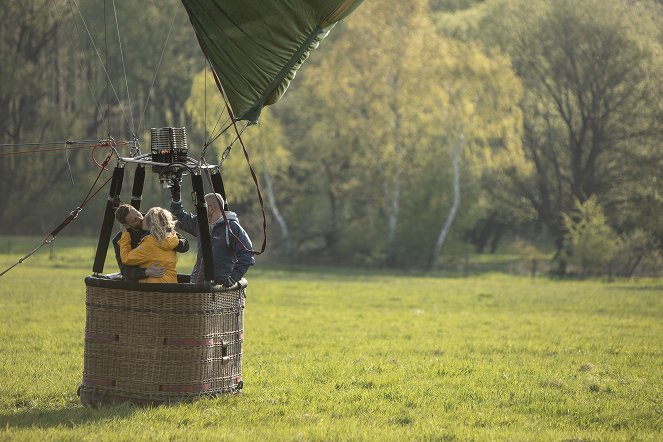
[
  {"x": 217, "y": 184},
  {"x": 137, "y": 190},
  {"x": 107, "y": 225},
  {"x": 203, "y": 226}
]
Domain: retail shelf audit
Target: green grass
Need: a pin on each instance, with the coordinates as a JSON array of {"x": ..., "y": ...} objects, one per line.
[{"x": 351, "y": 355}]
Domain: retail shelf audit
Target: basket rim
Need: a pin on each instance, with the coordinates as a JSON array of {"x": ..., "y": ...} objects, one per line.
[{"x": 206, "y": 287}]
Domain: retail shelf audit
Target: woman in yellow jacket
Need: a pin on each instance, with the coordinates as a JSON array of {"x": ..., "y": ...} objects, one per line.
[{"x": 156, "y": 248}]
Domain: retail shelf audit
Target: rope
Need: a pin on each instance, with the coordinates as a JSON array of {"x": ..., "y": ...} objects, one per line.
[
  {"x": 225, "y": 219},
  {"x": 108, "y": 119},
  {"x": 227, "y": 150},
  {"x": 73, "y": 215},
  {"x": 20, "y": 261},
  {"x": 44, "y": 150},
  {"x": 248, "y": 161},
  {"x": 225, "y": 125},
  {"x": 205, "y": 108},
  {"x": 66, "y": 158},
  {"x": 68, "y": 143},
  {"x": 262, "y": 203},
  {"x": 100, "y": 166},
  {"x": 50, "y": 143}
]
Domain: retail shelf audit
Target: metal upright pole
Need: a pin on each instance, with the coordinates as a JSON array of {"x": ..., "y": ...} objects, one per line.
[
  {"x": 203, "y": 225},
  {"x": 137, "y": 190},
  {"x": 107, "y": 224}
]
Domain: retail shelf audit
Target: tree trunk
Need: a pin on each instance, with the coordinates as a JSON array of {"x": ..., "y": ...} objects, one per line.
[
  {"x": 285, "y": 234},
  {"x": 392, "y": 223},
  {"x": 394, "y": 203},
  {"x": 455, "y": 160}
]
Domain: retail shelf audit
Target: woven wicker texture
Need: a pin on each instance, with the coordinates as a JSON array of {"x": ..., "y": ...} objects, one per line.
[{"x": 156, "y": 347}]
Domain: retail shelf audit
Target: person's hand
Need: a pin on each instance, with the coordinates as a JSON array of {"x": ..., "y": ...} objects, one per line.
[
  {"x": 123, "y": 228},
  {"x": 175, "y": 190},
  {"x": 155, "y": 271},
  {"x": 230, "y": 283}
]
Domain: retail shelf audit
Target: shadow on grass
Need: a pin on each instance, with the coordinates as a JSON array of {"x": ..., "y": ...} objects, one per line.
[
  {"x": 67, "y": 417},
  {"x": 643, "y": 288}
]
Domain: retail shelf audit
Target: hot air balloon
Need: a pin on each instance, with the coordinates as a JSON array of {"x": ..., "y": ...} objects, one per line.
[{"x": 165, "y": 343}]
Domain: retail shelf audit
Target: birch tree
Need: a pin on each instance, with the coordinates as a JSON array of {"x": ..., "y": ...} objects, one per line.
[
  {"x": 265, "y": 145},
  {"x": 379, "y": 54},
  {"x": 479, "y": 121}
]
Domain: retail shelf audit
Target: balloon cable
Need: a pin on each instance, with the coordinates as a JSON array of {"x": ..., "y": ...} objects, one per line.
[{"x": 51, "y": 236}]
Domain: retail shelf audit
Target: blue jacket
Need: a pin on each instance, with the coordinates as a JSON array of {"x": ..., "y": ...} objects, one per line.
[{"x": 231, "y": 250}]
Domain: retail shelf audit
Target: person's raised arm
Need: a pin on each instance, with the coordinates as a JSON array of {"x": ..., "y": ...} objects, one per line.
[
  {"x": 186, "y": 221},
  {"x": 183, "y": 244}
]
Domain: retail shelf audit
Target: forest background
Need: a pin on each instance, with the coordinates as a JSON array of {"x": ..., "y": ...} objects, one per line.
[{"x": 417, "y": 133}]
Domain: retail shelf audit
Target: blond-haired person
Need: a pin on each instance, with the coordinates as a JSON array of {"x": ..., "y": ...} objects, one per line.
[{"x": 156, "y": 248}]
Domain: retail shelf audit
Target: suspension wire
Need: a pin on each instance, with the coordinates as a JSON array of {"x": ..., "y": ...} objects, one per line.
[
  {"x": 225, "y": 127},
  {"x": 262, "y": 203},
  {"x": 156, "y": 73},
  {"x": 91, "y": 87},
  {"x": 205, "y": 110},
  {"x": 223, "y": 212},
  {"x": 124, "y": 70},
  {"x": 248, "y": 161},
  {"x": 100, "y": 166},
  {"x": 216, "y": 137},
  {"x": 67, "y": 143},
  {"x": 73, "y": 215},
  {"x": 48, "y": 143},
  {"x": 57, "y": 149},
  {"x": 225, "y": 123},
  {"x": 66, "y": 158},
  {"x": 103, "y": 66}
]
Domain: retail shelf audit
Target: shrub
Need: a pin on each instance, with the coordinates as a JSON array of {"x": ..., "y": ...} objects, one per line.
[
  {"x": 593, "y": 242},
  {"x": 530, "y": 257},
  {"x": 638, "y": 251}
]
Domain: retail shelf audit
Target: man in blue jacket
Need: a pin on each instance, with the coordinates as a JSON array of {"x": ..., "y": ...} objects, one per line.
[{"x": 232, "y": 250}]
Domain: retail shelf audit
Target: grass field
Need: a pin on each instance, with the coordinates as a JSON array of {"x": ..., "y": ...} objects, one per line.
[{"x": 334, "y": 355}]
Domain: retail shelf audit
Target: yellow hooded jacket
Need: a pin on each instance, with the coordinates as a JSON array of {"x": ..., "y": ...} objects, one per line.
[{"x": 150, "y": 251}]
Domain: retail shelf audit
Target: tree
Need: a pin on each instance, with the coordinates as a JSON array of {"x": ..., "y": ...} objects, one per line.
[
  {"x": 592, "y": 79},
  {"x": 481, "y": 115},
  {"x": 381, "y": 132},
  {"x": 264, "y": 142},
  {"x": 54, "y": 88},
  {"x": 593, "y": 242},
  {"x": 31, "y": 104}
]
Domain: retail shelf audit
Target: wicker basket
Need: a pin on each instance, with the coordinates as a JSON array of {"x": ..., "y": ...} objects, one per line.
[{"x": 150, "y": 344}]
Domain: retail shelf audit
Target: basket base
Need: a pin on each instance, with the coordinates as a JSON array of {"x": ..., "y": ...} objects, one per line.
[{"x": 95, "y": 397}]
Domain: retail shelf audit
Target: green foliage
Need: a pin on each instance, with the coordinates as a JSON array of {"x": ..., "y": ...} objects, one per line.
[
  {"x": 354, "y": 355},
  {"x": 532, "y": 259},
  {"x": 265, "y": 142},
  {"x": 591, "y": 76},
  {"x": 593, "y": 242},
  {"x": 374, "y": 146},
  {"x": 553, "y": 101},
  {"x": 54, "y": 88},
  {"x": 638, "y": 253}
]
